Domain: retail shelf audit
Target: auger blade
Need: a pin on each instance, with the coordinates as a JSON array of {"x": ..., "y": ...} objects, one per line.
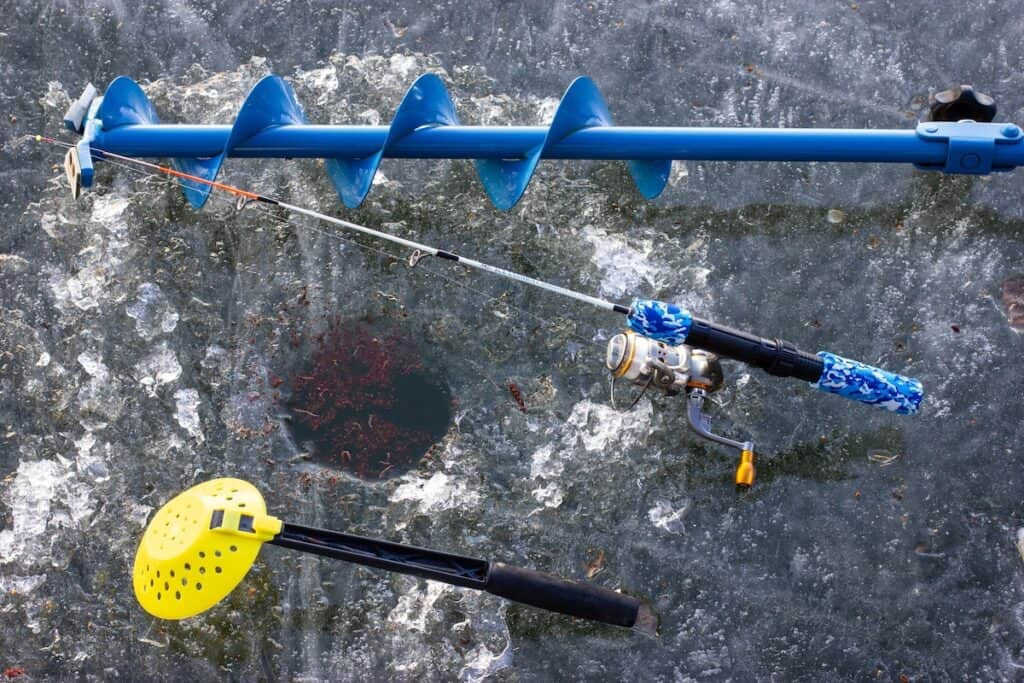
[
  {"x": 125, "y": 104},
  {"x": 580, "y": 108},
  {"x": 426, "y": 104}
]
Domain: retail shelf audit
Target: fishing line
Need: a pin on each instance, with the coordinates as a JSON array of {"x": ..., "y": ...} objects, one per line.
[
  {"x": 430, "y": 269},
  {"x": 143, "y": 171}
]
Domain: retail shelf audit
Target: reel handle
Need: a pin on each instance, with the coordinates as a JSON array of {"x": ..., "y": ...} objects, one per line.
[
  {"x": 827, "y": 372},
  {"x": 582, "y": 600}
]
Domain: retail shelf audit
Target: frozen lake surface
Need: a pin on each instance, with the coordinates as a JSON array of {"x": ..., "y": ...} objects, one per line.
[{"x": 145, "y": 347}]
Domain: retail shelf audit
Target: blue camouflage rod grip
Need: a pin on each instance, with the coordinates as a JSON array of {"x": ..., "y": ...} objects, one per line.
[{"x": 826, "y": 371}]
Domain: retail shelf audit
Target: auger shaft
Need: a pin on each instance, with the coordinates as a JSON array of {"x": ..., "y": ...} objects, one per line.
[
  {"x": 516, "y": 142},
  {"x": 586, "y": 601}
]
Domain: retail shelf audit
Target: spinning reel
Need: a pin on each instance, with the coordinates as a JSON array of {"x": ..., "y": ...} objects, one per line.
[{"x": 673, "y": 369}]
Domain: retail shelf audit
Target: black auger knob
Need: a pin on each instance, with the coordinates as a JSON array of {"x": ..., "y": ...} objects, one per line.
[{"x": 962, "y": 102}]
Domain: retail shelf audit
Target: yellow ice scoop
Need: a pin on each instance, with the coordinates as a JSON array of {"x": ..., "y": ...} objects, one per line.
[{"x": 201, "y": 544}]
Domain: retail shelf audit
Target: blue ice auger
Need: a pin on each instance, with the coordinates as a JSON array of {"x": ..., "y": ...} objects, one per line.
[{"x": 271, "y": 123}]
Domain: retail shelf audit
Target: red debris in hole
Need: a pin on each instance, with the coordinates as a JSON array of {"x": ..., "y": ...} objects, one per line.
[
  {"x": 367, "y": 402},
  {"x": 517, "y": 395}
]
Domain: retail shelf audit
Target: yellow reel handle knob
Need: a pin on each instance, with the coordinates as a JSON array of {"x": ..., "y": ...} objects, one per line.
[{"x": 745, "y": 470}]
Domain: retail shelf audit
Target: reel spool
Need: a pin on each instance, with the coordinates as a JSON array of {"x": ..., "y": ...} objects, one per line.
[{"x": 673, "y": 369}]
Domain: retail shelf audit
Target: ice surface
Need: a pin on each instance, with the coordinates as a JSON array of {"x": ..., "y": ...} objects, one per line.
[{"x": 141, "y": 344}]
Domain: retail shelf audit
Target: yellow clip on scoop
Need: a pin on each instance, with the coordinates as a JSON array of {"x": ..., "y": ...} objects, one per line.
[{"x": 200, "y": 545}]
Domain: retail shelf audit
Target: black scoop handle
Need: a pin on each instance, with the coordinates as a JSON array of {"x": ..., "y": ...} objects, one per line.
[{"x": 582, "y": 600}]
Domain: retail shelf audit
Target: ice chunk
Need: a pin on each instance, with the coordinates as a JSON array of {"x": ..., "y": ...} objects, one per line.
[
  {"x": 186, "y": 412},
  {"x": 158, "y": 368},
  {"x": 664, "y": 516},
  {"x": 93, "y": 365},
  {"x": 44, "y": 497},
  {"x": 626, "y": 265},
  {"x": 439, "y": 492},
  {"x": 151, "y": 311}
]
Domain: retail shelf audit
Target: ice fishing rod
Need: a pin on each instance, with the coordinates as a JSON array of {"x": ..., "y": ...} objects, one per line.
[
  {"x": 666, "y": 346},
  {"x": 200, "y": 545},
  {"x": 960, "y": 139}
]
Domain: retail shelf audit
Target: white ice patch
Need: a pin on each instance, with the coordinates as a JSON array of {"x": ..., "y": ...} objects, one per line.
[
  {"x": 93, "y": 366},
  {"x": 439, "y": 492},
  {"x": 44, "y": 498},
  {"x": 186, "y": 412},
  {"x": 97, "y": 264},
  {"x": 324, "y": 82},
  {"x": 626, "y": 264},
  {"x": 55, "y": 96},
  {"x": 664, "y": 516},
  {"x": 20, "y": 585},
  {"x": 598, "y": 428},
  {"x": 158, "y": 368},
  {"x": 481, "y": 663},
  {"x": 416, "y": 608},
  {"x": 152, "y": 313},
  {"x": 107, "y": 208}
]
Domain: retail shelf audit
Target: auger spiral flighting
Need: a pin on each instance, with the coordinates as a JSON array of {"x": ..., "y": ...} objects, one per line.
[{"x": 271, "y": 123}]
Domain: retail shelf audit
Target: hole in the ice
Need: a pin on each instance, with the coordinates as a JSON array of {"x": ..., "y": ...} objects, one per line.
[{"x": 366, "y": 402}]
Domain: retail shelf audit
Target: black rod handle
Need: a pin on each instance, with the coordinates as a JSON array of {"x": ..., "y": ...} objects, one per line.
[{"x": 582, "y": 600}]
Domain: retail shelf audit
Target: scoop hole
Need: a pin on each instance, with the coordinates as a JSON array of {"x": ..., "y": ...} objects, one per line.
[
  {"x": 233, "y": 548},
  {"x": 199, "y": 586},
  {"x": 184, "y": 582},
  {"x": 202, "y": 570},
  {"x": 202, "y": 554},
  {"x": 158, "y": 595},
  {"x": 188, "y": 567},
  {"x": 217, "y": 553},
  {"x": 167, "y": 586},
  {"x": 241, "y": 505},
  {"x": 177, "y": 595},
  {"x": 217, "y": 569}
]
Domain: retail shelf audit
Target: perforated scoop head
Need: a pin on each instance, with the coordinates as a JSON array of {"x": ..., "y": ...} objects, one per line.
[{"x": 199, "y": 546}]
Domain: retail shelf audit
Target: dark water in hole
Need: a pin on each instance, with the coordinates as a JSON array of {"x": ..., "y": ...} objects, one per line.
[{"x": 367, "y": 404}]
